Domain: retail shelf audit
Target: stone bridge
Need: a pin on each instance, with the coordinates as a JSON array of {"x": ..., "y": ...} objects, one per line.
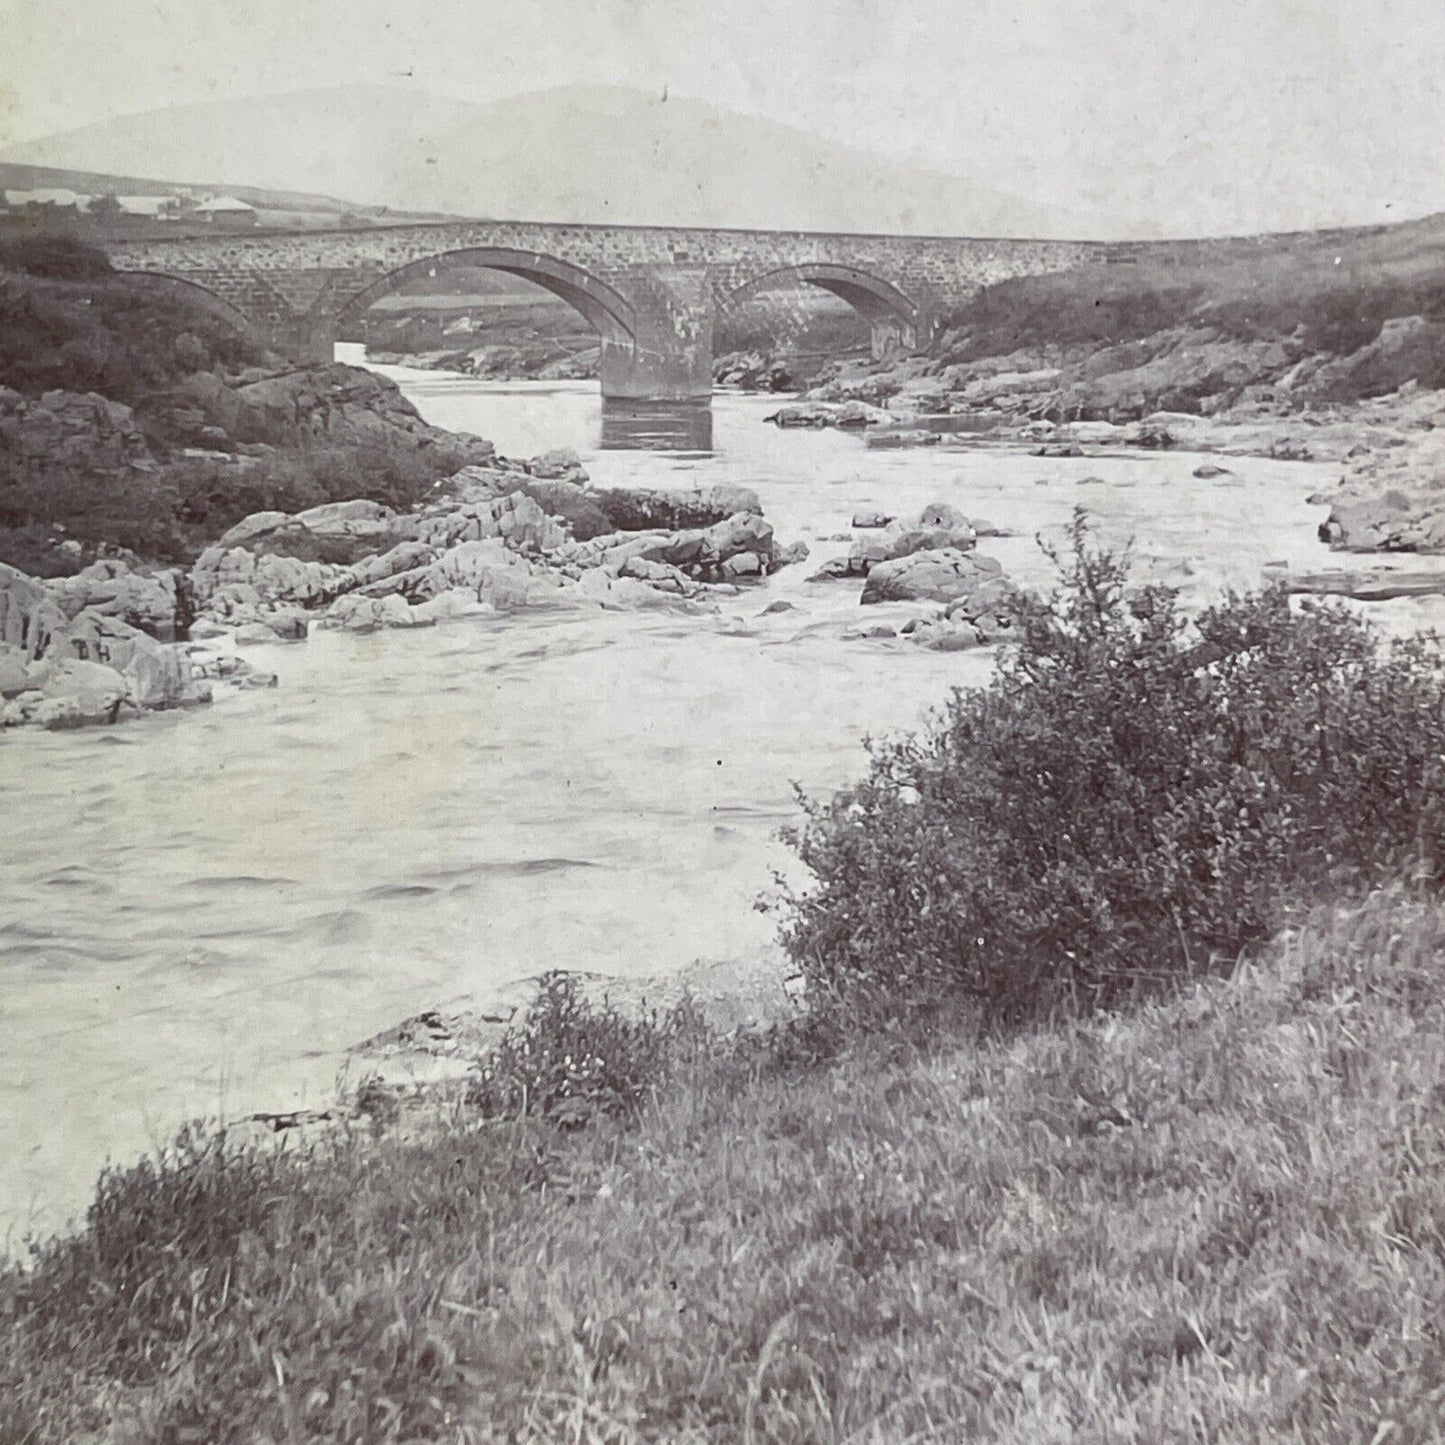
[{"x": 652, "y": 293}]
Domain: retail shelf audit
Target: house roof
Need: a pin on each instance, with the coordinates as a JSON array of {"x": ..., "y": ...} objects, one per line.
[
  {"x": 145, "y": 205},
  {"x": 224, "y": 203}
]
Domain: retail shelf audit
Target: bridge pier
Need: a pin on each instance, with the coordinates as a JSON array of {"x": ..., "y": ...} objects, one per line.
[
  {"x": 889, "y": 337},
  {"x": 669, "y": 355}
]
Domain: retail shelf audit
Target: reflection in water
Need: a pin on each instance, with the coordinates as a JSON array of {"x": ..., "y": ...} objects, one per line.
[{"x": 657, "y": 426}]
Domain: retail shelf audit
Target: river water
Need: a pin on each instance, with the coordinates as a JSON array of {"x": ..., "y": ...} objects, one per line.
[{"x": 200, "y": 912}]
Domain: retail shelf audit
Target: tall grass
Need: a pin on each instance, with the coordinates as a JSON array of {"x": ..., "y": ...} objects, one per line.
[{"x": 1215, "y": 1217}]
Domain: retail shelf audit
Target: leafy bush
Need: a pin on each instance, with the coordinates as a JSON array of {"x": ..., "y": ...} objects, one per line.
[
  {"x": 133, "y": 510},
  {"x": 57, "y": 256},
  {"x": 1133, "y": 797},
  {"x": 571, "y": 1058},
  {"x": 106, "y": 333},
  {"x": 172, "y": 511}
]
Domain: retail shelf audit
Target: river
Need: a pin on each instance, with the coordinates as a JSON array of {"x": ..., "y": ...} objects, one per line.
[{"x": 200, "y": 912}]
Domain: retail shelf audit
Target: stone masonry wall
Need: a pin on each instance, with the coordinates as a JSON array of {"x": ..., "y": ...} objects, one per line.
[{"x": 273, "y": 277}]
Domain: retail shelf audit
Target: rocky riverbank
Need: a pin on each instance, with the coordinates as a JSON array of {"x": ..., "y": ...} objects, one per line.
[
  {"x": 1370, "y": 411},
  {"x": 498, "y": 537},
  {"x": 502, "y": 362}
]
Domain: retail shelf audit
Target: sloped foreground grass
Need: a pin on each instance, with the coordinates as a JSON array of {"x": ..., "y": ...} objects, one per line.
[{"x": 1217, "y": 1217}]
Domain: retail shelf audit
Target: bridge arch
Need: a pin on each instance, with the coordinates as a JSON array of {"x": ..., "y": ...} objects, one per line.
[
  {"x": 609, "y": 313},
  {"x": 896, "y": 320}
]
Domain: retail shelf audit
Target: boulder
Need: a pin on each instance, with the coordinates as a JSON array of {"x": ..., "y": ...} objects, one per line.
[
  {"x": 404, "y": 557},
  {"x": 488, "y": 571},
  {"x": 265, "y": 578},
  {"x": 700, "y": 553},
  {"x": 93, "y": 665},
  {"x": 945, "y": 635},
  {"x": 866, "y": 520},
  {"x": 560, "y": 464},
  {"x": 1389, "y": 521},
  {"x": 88, "y": 692},
  {"x": 358, "y": 518},
  {"x": 656, "y": 574},
  {"x": 914, "y": 438},
  {"x": 355, "y": 613},
  {"x": 569, "y": 501},
  {"x": 953, "y": 531},
  {"x": 937, "y": 575},
  {"x": 515, "y": 518},
  {"x": 1408, "y": 348},
  {"x": 251, "y": 528},
  {"x": 846, "y": 414},
  {"x": 752, "y": 371},
  {"x": 250, "y": 634},
  {"x": 29, "y": 615},
  {"x": 942, "y": 514},
  {"x": 147, "y": 601},
  {"x": 642, "y": 509}
]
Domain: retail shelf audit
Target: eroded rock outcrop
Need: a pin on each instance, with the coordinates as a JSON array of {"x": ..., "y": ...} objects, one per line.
[
  {"x": 74, "y": 431},
  {"x": 69, "y": 671},
  {"x": 329, "y": 404},
  {"x": 846, "y": 414},
  {"x": 148, "y": 601},
  {"x": 1392, "y": 499}
]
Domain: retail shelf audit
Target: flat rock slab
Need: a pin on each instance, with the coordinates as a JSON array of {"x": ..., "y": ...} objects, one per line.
[{"x": 1366, "y": 586}]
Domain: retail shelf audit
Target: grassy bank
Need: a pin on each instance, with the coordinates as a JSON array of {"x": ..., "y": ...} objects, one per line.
[
  {"x": 1117, "y": 1113},
  {"x": 1331, "y": 291},
  {"x": 1215, "y": 1218}
]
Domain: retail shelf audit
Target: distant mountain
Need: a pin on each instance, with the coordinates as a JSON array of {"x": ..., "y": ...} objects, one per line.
[{"x": 580, "y": 153}]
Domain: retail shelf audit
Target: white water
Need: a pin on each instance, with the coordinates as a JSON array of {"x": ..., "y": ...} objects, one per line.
[{"x": 201, "y": 911}]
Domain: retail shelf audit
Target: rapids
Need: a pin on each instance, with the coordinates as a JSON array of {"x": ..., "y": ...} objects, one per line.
[{"x": 200, "y": 912}]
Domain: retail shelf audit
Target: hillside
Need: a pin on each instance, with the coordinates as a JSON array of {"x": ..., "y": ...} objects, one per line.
[
  {"x": 136, "y": 421},
  {"x": 580, "y": 153},
  {"x": 273, "y": 207}
]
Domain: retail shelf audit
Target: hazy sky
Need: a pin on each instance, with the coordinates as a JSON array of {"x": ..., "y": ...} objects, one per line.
[{"x": 1157, "y": 108}]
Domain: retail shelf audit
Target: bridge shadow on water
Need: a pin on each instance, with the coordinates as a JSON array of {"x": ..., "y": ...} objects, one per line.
[{"x": 656, "y": 426}]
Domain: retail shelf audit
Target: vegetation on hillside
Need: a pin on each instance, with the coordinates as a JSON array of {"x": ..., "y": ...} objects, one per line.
[
  {"x": 69, "y": 323},
  {"x": 1209, "y": 1212},
  {"x": 1331, "y": 293},
  {"x": 1217, "y": 1218}
]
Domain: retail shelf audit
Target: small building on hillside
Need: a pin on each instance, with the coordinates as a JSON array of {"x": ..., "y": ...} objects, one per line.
[
  {"x": 155, "y": 208},
  {"x": 227, "y": 212},
  {"x": 54, "y": 196}
]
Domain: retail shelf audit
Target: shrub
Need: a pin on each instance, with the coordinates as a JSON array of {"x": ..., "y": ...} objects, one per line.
[
  {"x": 571, "y": 1058},
  {"x": 52, "y": 255},
  {"x": 106, "y": 333},
  {"x": 1133, "y": 797},
  {"x": 133, "y": 510}
]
